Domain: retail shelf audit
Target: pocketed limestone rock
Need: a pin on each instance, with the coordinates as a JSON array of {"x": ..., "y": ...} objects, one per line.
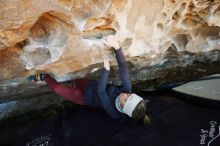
[{"x": 64, "y": 36}]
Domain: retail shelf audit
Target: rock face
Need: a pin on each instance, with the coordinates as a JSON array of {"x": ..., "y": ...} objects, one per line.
[{"x": 63, "y": 36}]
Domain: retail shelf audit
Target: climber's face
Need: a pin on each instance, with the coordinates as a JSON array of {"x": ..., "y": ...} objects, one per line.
[{"x": 123, "y": 98}]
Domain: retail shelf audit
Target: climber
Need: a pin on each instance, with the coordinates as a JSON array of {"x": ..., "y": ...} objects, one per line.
[{"x": 115, "y": 100}]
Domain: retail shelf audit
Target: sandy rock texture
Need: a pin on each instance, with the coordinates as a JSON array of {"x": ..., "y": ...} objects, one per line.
[{"x": 63, "y": 36}]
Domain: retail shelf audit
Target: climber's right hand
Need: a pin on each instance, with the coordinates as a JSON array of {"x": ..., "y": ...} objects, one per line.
[
  {"x": 112, "y": 41},
  {"x": 106, "y": 64}
]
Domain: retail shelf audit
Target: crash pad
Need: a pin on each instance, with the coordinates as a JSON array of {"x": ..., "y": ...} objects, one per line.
[{"x": 204, "y": 91}]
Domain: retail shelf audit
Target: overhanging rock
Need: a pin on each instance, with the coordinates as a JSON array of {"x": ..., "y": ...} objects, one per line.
[{"x": 61, "y": 36}]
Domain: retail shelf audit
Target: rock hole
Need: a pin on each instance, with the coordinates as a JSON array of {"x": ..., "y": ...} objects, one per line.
[
  {"x": 164, "y": 14},
  {"x": 160, "y": 26},
  {"x": 180, "y": 41},
  {"x": 172, "y": 1},
  {"x": 181, "y": 9},
  {"x": 36, "y": 58},
  {"x": 47, "y": 38},
  {"x": 175, "y": 16},
  {"x": 189, "y": 23},
  {"x": 191, "y": 6}
]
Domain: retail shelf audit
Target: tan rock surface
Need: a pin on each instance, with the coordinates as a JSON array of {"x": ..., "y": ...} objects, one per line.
[{"x": 63, "y": 36}]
